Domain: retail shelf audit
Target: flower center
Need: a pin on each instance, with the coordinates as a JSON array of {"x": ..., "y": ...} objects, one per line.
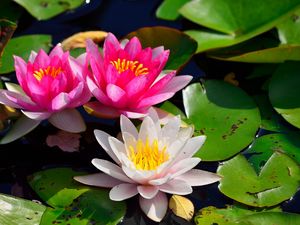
[
  {"x": 146, "y": 156},
  {"x": 134, "y": 66},
  {"x": 49, "y": 71}
]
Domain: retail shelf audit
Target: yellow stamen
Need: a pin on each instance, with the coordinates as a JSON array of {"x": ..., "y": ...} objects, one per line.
[
  {"x": 146, "y": 156},
  {"x": 134, "y": 66},
  {"x": 49, "y": 71}
]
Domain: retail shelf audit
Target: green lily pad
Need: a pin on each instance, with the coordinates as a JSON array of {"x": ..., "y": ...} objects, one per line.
[
  {"x": 289, "y": 29},
  {"x": 263, "y": 147},
  {"x": 46, "y": 9},
  {"x": 238, "y": 17},
  {"x": 73, "y": 202},
  {"x": 17, "y": 211},
  {"x": 268, "y": 218},
  {"x": 277, "y": 181},
  {"x": 284, "y": 92},
  {"x": 227, "y": 216},
  {"x": 168, "y": 9},
  {"x": 173, "y": 109},
  {"x": 181, "y": 46},
  {"x": 225, "y": 114},
  {"x": 22, "y": 46}
]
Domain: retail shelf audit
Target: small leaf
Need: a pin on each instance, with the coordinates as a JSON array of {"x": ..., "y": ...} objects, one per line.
[
  {"x": 181, "y": 207},
  {"x": 78, "y": 40}
]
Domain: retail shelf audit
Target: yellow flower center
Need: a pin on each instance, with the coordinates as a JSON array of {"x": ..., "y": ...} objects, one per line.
[
  {"x": 49, "y": 71},
  {"x": 134, "y": 66},
  {"x": 147, "y": 156}
]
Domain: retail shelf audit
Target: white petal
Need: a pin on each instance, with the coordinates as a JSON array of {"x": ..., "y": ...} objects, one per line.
[
  {"x": 197, "y": 177},
  {"x": 129, "y": 140},
  {"x": 139, "y": 176},
  {"x": 154, "y": 116},
  {"x": 178, "y": 187},
  {"x": 102, "y": 139},
  {"x": 171, "y": 129},
  {"x": 127, "y": 126},
  {"x": 116, "y": 146},
  {"x": 36, "y": 115},
  {"x": 60, "y": 102},
  {"x": 32, "y": 56},
  {"x": 68, "y": 120},
  {"x": 160, "y": 181},
  {"x": 98, "y": 180},
  {"x": 21, "y": 127},
  {"x": 111, "y": 169},
  {"x": 183, "y": 166},
  {"x": 191, "y": 147},
  {"x": 156, "y": 207},
  {"x": 148, "y": 130},
  {"x": 122, "y": 192},
  {"x": 147, "y": 191},
  {"x": 15, "y": 88}
]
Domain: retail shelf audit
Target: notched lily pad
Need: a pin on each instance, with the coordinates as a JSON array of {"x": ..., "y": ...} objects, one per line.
[
  {"x": 216, "y": 103},
  {"x": 277, "y": 181},
  {"x": 181, "y": 46}
]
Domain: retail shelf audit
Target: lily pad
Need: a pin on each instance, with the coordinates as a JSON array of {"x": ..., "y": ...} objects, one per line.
[
  {"x": 46, "y": 9},
  {"x": 232, "y": 215},
  {"x": 263, "y": 147},
  {"x": 289, "y": 29},
  {"x": 16, "y": 211},
  {"x": 168, "y": 9},
  {"x": 238, "y": 17},
  {"x": 277, "y": 181},
  {"x": 181, "y": 46},
  {"x": 284, "y": 92},
  {"x": 74, "y": 203},
  {"x": 219, "y": 103},
  {"x": 22, "y": 46},
  {"x": 173, "y": 109},
  {"x": 267, "y": 218}
]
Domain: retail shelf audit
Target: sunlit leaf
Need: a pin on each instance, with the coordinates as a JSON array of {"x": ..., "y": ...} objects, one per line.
[
  {"x": 289, "y": 29},
  {"x": 181, "y": 207},
  {"x": 277, "y": 181},
  {"x": 168, "y": 9}
]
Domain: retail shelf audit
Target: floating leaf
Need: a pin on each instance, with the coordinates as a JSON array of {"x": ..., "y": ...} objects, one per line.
[
  {"x": 16, "y": 211},
  {"x": 22, "y": 46},
  {"x": 267, "y": 218},
  {"x": 277, "y": 181},
  {"x": 7, "y": 29},
  {"x": 228, "y": 216},
  {"x": 73, "y": 202},
  {"x": 225, "y": 114},
  {"x": 168, "y": 9},
  {"x": 284, "y": 92},
  {"x": 173, "y": 109},
  {"x": 181, "y": 46},
  {"x": 289, "y": 29},
  {"x": 46, "y": 9},
  {"x": 181, "y": 207},
  {"x": 263, "y": 147},
  {"x": 78, "y": 40},
  {"x": 238, "y": 17}
]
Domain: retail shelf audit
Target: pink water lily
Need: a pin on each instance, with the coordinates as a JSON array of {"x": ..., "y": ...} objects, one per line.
[
  {"x": 127, "y": 79},
  {"x": 51, "y": 87},
  {"x": 151, "y": 162}
]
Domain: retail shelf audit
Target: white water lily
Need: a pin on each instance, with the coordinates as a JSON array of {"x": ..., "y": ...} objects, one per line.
[{"x": 151, "y": 162}]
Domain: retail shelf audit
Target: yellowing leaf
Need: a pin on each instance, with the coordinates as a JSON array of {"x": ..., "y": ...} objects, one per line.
[
  {"x": 182, "y": 207},
  {"x": 78, "y": 40}
]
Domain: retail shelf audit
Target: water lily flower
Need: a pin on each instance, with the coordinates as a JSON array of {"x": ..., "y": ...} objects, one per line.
[
  {"x": 127, "y": 79},
  {"x": 51, "y": 87},
  {"x": 151, "y": 163}
]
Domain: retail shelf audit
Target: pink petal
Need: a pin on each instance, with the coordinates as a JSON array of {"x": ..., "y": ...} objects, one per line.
[
  {"x": 101, "y": 111},
  {"x": 148, "y": 191},
  {"x": 156, "y": 207},
  {"x": 177, "y": 83},
  {"x": 160, "y": 84},
  {"x": 133, "y": 115},
  {"x": 163, "y": 58},
  {"x": 6, "y": 101},
  {"x": 155, "y": 99},
  {"x": 197, "y": 177},
  {"x": 98, "y": 180},
  {"x": 57, "y": 50},
  {"x": 178, "y": 187},
  {"x": 102, "y": 139},
  {"x": 92, "y": 50},
  {"x": 157, "y": 51},
  {"x": 122, "y": 192},
  {"x": 183, "y": 166},
  {"x": 23, "y": 126},
  {"x": 133, "y": 47},
  {"x": 37, "y": 115},
  {"x": 16, "y": 100},
  {"x": 135, "y": 87},
  {"x": 97, "y": 92},
  {"x": 21, "y": 70},
  {"x": 60, "y": 102},
  {"x": 128, "y": 126},
  {"x": 111, "y": 46},
  {"x": 42, "y": 60},
  {"x": 111, "y": 169},
  {"x": 117, "y": 95},
  {"x": 69, "y": 120}
]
